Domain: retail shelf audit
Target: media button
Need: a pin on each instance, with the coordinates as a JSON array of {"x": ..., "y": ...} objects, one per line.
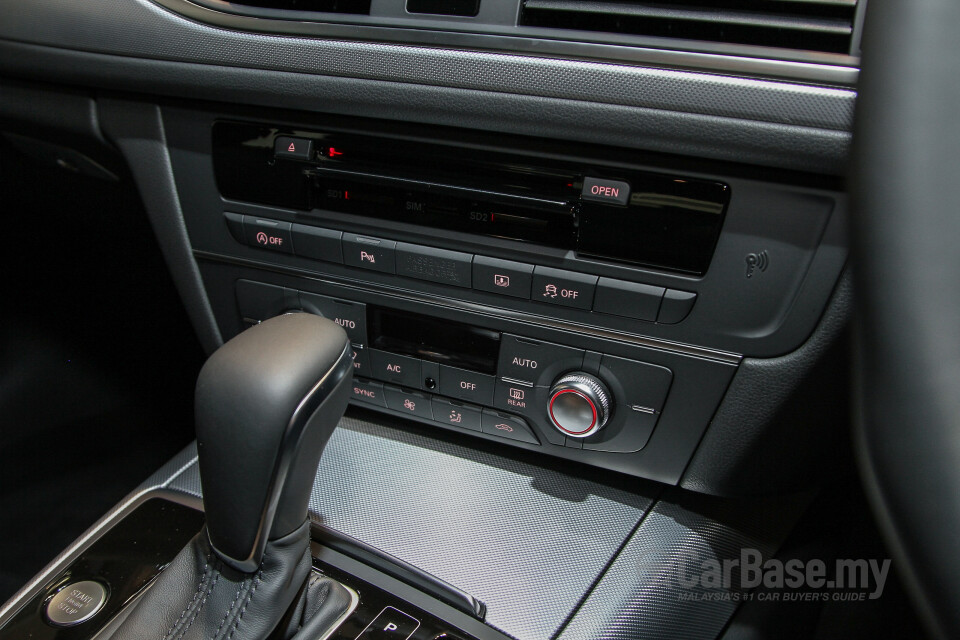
[
  {"x": 456, "y": 414},
  {"x": 502, "y": 276},
  {"x": 262, "y": 233},
  {"x": 564, "y": 288},
  {"x": 411, "y": 402},
  {"x": 466, "y": 385},
  {"x": 369, "y": 253},
  {"x": 392, "y": 367},
  {"x": 503, "y": 425}
]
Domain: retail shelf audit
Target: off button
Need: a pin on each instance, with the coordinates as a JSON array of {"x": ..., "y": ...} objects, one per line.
[
  {"x": 75, "y": 603},
  {"x": 564, "y": 288}
]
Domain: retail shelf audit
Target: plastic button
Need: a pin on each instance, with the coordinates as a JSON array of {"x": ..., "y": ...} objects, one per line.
[
  {"x": 352, "y": 316},
  {"x": 503, "y": 425},
  {"x": 676, "y": 306},
  {"x": 502, "y": 276},
  {"x": 564, "y": 288},
  {"x": 535, "y": 361},
  {"x": 361, "y": 360},
  {"x": 456, "y": 414},
  {"x": 293, "y": 148},
  {"x": 317, "y": 243},
  {"x": 395, "y": 368},
  {"x": 390, "y": 624},
  {"x": 434, "y": 265},
  {"x": 272, "y": 235},
  {"x": 369, "y": 253},
  {"x": 368, "y": 391},
  {"x": 412, "y": 402},
  {"x": 628, "y": 299},
  {"x": 606, "y": 191},
  {"x": 466, "y": 385},
  {"x": 258, "y": 301}
]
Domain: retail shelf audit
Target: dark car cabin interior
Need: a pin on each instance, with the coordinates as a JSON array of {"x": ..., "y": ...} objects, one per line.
[{"x": 479, "y": 319}]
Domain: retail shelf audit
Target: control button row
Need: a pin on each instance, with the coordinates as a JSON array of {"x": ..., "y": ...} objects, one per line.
[
  {"x": 504, "y": 277},
  {"x": 450, "y": 381},
  {"x": 443, "y": 410}
]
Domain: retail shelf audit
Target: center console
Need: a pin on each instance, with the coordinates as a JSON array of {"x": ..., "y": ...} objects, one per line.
[{"x": 582, "y": 302}]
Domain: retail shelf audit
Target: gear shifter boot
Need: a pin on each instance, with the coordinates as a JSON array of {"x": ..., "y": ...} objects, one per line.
[{"x": 266, "y": 404}]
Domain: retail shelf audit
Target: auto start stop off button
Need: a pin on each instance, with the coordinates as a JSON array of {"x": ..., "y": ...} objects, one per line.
[{"x": 76, "y": 603}]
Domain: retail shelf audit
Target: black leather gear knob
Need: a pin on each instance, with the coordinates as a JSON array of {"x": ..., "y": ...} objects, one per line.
[{"x": 266, "y": 404}]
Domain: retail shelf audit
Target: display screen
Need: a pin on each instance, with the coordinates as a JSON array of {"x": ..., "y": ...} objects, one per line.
[{"x": 451, "y": 343}]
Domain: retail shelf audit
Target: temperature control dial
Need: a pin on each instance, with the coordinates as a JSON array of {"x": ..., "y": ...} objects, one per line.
[{"x": 579, "y": 404}]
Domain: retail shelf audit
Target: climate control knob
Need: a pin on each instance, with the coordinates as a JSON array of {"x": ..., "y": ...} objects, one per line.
[{"x": 579, "y": 404}]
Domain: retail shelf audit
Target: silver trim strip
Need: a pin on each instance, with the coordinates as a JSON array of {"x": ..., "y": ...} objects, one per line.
[
  {"x": 72, "y": 552},
  {"x": 836, "y": 69},
  {"x": 519, "y": 383},
  {"x": 493, "y": 312},
  {"x": 354, "y": 601}
]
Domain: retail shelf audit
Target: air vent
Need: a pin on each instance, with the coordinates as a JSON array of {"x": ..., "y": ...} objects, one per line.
[
  {"x": 354, "y": 7},
  {"x": 810, "y": 25}
]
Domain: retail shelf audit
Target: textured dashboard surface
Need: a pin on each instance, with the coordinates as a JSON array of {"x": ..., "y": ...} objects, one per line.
[
  {"x": 527, "y": 541},
  {"x": 139, "y": 27},
  {"x": 654, "y": 589},
  {"x": 749, "y": 120}
]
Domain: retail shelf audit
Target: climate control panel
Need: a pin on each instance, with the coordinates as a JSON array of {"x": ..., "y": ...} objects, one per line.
[{"x": 480, "y": 380}]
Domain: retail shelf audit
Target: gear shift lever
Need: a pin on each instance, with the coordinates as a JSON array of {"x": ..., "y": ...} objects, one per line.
[{"x": 266, "y": 404}]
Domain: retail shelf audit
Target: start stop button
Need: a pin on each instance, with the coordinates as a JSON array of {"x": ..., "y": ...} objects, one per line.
[{"x": 75, "y": 603}]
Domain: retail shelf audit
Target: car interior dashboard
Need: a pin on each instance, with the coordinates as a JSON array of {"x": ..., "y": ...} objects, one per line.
[{"x": 584, "y": 270}]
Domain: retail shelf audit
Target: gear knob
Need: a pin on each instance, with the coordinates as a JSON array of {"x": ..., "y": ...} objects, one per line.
[{"x": 266, "y": 404}]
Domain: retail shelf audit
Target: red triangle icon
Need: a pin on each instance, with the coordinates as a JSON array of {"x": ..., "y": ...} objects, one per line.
[{"x": 292, "y": 148}]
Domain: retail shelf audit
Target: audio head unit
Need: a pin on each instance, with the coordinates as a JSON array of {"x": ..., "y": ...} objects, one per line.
[{"x": 630, "y": 216}]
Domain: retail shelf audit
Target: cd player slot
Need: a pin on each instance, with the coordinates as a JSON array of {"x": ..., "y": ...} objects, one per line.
[
  {"x": 450, "y": 208},
  {"x": 558, "y": 206}
]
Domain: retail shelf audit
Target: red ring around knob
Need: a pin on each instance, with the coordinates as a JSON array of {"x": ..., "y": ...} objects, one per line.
[{"x": 556, "y": 423}]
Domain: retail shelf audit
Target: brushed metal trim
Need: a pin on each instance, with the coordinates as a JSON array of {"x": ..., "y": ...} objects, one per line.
[
  {"x": 81, "y": 544},
  {"x": 725, "y": 357}
]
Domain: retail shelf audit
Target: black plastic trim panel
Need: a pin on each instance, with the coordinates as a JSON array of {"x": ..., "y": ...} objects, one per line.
[
  {"x": 137, "y": 46},
  {"x": 500, "y": 528}
]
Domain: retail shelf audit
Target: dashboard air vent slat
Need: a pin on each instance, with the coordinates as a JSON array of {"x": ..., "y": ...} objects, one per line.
[
  {"x": 354, "y": 7},
  {"x": 813, "y": 25}
]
